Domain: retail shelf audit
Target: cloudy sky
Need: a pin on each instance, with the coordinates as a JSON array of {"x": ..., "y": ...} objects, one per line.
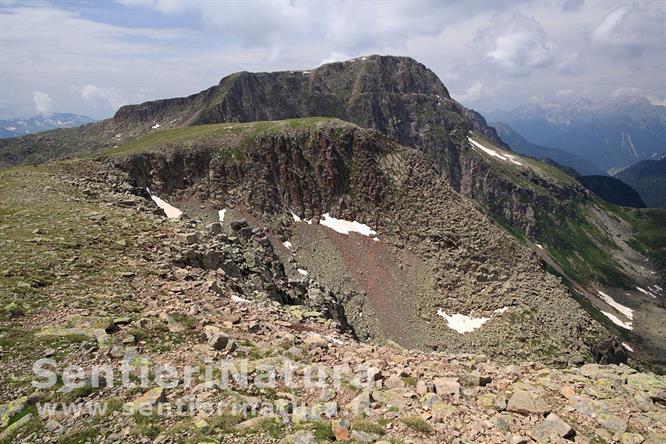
[{"x": 91, "y": 57}]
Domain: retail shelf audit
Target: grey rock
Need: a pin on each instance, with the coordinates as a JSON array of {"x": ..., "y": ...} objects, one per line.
[
  {"x": 304, "y": 437},
  {"x": 527, "y": 403},
  {"x": 612, "y": 423},
  {"x": 214, "y": 228},
  {"x": 188, "y": 238},
  {"x": 553, "y": 425},
  {"x": 448, "y": 387},
  {"x": 221, "y": 341},
  {"x": 363, "y": 437}
]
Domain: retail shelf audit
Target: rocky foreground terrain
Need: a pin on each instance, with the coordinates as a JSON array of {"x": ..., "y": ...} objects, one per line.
[{"x": 94, "y": 274}]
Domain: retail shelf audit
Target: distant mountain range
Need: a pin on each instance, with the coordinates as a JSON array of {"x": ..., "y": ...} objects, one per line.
[
  {"x": 519, "y": 144},
  {"x": 648, "y": 177},
  {"x": 39, "y": 123},
  {"x": 610, "y": 134}
]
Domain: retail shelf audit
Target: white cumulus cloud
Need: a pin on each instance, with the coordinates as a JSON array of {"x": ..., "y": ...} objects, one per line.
[
  {"x": 43, "y": 103},
  {"x": 109, "y": 96},
  {"x": 335, "y": 56},
  {"x": 564, "y": 92},
  {"x": 631, "y": 29},
  {"x": 625, "y": 91},
  {"x": 514, "y": 43},
  {"x": 472, "y": 94}
]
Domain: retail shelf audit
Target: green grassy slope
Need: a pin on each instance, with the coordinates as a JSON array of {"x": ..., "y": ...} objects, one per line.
[
  {"x": 570, "y": 230},
  {"x": 191, "y": 136},
  {"x": 649, "y": 232}
]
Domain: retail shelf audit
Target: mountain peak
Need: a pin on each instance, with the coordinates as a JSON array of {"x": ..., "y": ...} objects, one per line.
[{"x": 332, "y": 89}]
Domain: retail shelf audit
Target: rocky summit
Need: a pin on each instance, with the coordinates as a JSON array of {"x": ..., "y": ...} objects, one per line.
[{"x": 341, "y": 254}]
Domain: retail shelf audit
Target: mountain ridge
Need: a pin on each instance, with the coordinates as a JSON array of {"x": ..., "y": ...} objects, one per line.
[
  {"x": 648, "y": 177},
  {"x": 40, "y": 123},
  {"x": 336, "y": 168},
  {"x": 581, "y": 237},
  {"x": 610, "y": 133}
]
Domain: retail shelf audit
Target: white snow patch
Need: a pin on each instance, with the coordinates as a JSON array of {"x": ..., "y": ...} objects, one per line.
[
  {"x": 501, "y": 310},
  {"x": 240, "y": 299},
  {"x": 303, "y": 272},
  {"x": 298, "y": 219},
  {"x": 334, "y": 340},
  {"x": 646, "y": 292},
  {"x": 625, "y": 345},
  {"x": 287, "y": 244},
  {"x": 617, "y": 321},
  {"x": 221, "y": 214},
  {"x": 328, "y": 338},
  {"x": 346, "y": 227},
  {"x": 491, "y": 152},
  {"x": 626, "y": 311},
  {"x": 462, "y": 323},
  {"x": 512, "y": 159},
  {"x": 157, "y": 125},
  {"x": 170, "y": 211},
  {"x": 539, "y": 245}
]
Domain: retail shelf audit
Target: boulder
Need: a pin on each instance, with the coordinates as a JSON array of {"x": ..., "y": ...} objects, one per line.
[
  {"x": 363, "y": 437},
  {"x": 553, "y": 425},
  {"x": 214, "y": 228},
  {"x": 341, "y": 429},
  {"x": 304, "y": 437},
  {"x": 150, "y": 398},
  {"x": 527, "y": 403},
  {"x": 609, "y": 351},
  {"x": 221, "y": 341},
  {"x": 188, "y": 238},
  {"x": 394, "y": 382},
  {"x": 447, "y": 387}
]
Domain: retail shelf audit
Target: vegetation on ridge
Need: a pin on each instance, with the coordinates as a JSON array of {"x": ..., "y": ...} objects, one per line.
[{"x": 190, "y": 136}]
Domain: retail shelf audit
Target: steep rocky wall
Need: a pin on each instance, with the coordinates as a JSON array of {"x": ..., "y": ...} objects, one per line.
[
  {"x": 309, "y": 173},
  {"x": 395, "y": 95},
  {"x": 357, "y": 174}
]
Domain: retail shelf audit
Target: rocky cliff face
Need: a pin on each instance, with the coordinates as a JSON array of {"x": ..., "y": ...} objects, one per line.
[
  {"x": 407, "y": 102},
  {"x": 132, "y": 292},
  {"x": 395, "y": 95},
  {"x": 434, "y": 246}
]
